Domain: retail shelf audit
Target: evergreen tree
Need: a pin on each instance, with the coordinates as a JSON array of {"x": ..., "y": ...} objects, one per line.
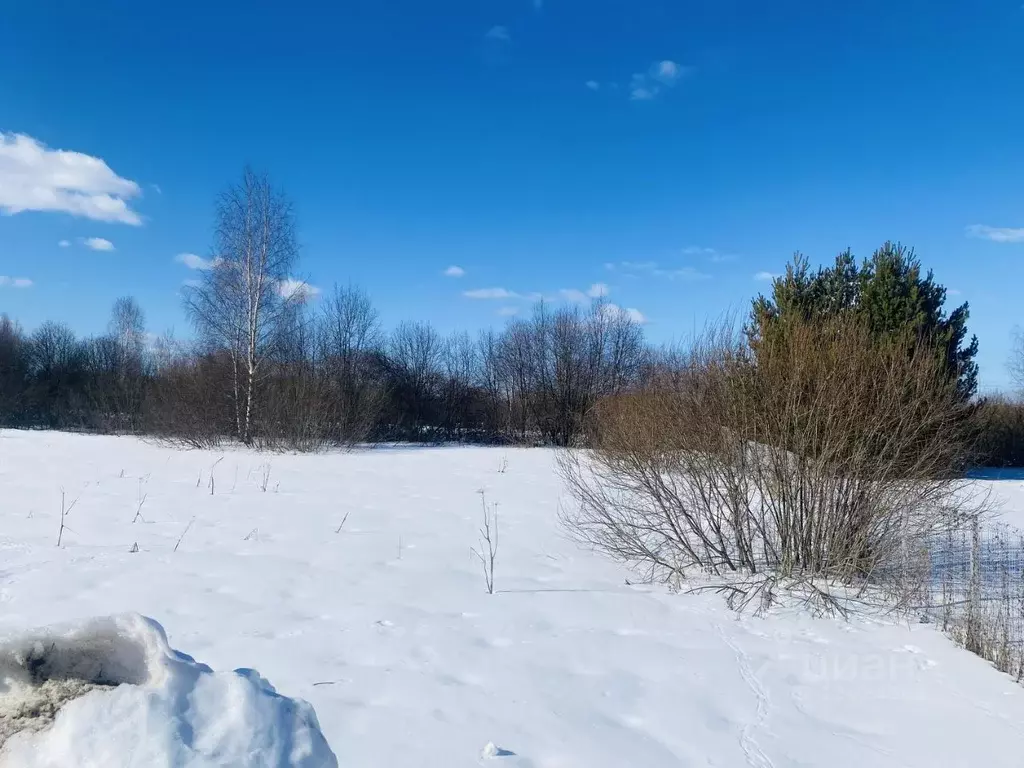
[{"x": 888, "y": 292}]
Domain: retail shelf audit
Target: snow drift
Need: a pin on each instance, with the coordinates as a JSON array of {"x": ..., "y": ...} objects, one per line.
[{"x": 111, "y": 692}]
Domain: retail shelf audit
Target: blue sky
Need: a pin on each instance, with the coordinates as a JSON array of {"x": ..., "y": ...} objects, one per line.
[{"x": 691, "y": 145}]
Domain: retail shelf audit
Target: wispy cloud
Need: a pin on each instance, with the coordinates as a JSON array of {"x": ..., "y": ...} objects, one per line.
[
  {"x": 192, "y": 261},
  {"x": 654, "y": 269},
  {"x": 641, "y": 90},
  {"x": 595, "y": 291},
  {"x": 765, "y": 277},
  {"x": 644, "y": 86},
  {"x": 15, "y": 282},
  {"x": 64, "y": 243},
  {"x": 508, "y": 311},
  {"x": 499, "y": 33},
  {"x": 997, "y": 234},
  {"x": 593, "y": 85},
  {"x": 98, "y": 244},
  {"x": 711, "y": 254},
  {"x": 292, "y": 288},
  {"x": 666, "y": 72},
  {"x": 454, "y": 271},
  {"x": 630, "y": 313},
  {"x": 491, "y": 293},
  {"x": 37, "y": 178},
  {"x": 683, "y": 273}
]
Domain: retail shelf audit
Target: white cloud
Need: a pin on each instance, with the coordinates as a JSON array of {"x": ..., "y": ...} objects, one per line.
[
  {"x": 15, "y": 282},
  {"x": 593, "y": 85},
  {"x": 291, "y": 288},
  {"x": 953, "y": 292},
  {"x": 765, "y": 277},
  {"x": 641, "y": 90},
  {"x": 653, "y": 269},
  {"x": 666, "y": 71},
  {"x": 574, "y": 295},
  {"x": 595, "y": 291},
  {"x": 644, "y": 86},
  {"x": 34, "y": 177},
  {"x": 98, "y": 244},
  {"x": 710, "y": 253},
  {"x": 499, "y": 33},
  {"x": 491, "y": 293},
  {"x": 192, "y": 261},
  {"x": 997, "y": 234},
  {"x": 630, "y": 313},
  {"x": 64, "y": 243},
  {"x": 636, "y": 266},
  {"x": 508, "y": 311},
  {"x": 683, "y": 273},
  {"x": 635, "y": 315},
  {"x": 454, "y": 271}
]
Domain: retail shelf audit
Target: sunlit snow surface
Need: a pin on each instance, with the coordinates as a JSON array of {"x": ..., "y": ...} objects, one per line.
[{"x": 383, "y": 624}]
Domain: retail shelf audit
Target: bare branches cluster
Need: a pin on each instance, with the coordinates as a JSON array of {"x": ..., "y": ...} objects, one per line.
[{"x": 828, "y": 456}]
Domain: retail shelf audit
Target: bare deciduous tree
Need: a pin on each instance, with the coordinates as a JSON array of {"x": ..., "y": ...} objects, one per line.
[
  {"x": 350, "y": 340},
  {"x": 242, "y": 299},
  {"x": 415, "y": 354}
]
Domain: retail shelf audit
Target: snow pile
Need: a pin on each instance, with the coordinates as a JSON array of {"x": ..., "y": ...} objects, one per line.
[{"x": 111, "y": 692}]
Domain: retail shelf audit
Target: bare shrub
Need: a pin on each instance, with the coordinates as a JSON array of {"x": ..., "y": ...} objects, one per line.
[
  {"x": 487, "y": 554},
  {"x": 1001, "y": 432},
  {"x": 828, "y": 459},
  {"x": 185, "y": 405}
]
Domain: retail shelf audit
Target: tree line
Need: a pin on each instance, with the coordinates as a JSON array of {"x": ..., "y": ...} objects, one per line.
[
  {"x": 328, "y": 375},
  {"x": 273, "y": 368}
]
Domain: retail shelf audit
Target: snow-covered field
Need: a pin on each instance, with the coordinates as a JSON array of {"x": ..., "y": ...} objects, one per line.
[{"x": 385, "y": 627}]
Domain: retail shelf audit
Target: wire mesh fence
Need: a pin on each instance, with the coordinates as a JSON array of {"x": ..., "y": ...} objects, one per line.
[{"x": 974, "y": 590}]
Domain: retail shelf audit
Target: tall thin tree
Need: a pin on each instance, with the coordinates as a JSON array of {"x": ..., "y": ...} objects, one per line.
[{"x": 240, "y": 302}]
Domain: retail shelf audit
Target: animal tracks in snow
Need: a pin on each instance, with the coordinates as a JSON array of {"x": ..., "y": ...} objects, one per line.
[{"x": 756, "y": 756}]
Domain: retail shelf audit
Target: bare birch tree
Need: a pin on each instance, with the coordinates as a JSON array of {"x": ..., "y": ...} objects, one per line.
[{"x": 241, "y": 300}]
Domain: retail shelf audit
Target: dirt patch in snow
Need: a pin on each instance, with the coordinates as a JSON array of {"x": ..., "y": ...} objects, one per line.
[{"x": 40, "y": 674}]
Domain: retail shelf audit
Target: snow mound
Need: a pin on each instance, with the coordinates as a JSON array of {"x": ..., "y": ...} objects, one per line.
[{"x": 111, "y": 692}]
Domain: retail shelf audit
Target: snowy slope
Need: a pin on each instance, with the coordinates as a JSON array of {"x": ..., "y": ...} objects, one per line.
[{"x": 386, "y": 629}]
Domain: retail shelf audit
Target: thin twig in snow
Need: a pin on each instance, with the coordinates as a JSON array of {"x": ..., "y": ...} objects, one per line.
[
  {"x": 142, "y": 500},
  {"x": 183, "y": 534},
  {"x": 63, "y": 514},
  {"x": 488, "y": 541}
]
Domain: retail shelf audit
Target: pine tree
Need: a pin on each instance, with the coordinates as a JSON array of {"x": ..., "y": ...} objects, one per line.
[{"x": 887, "y": 292}]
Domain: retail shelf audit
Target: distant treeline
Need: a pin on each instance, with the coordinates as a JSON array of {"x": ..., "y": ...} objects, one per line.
[
  {"x": 272, "y": 368},
  {"x": 330, "y": 377}
]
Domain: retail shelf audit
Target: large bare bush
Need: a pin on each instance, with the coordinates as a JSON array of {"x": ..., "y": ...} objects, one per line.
[{"x": 828, "y": 458}]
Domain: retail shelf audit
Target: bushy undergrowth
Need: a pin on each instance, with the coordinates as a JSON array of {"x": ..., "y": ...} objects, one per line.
[{"x": 826, "y": 458}]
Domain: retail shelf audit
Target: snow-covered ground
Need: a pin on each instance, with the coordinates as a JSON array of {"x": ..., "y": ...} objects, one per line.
[{"x": 385, "y": 627}]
